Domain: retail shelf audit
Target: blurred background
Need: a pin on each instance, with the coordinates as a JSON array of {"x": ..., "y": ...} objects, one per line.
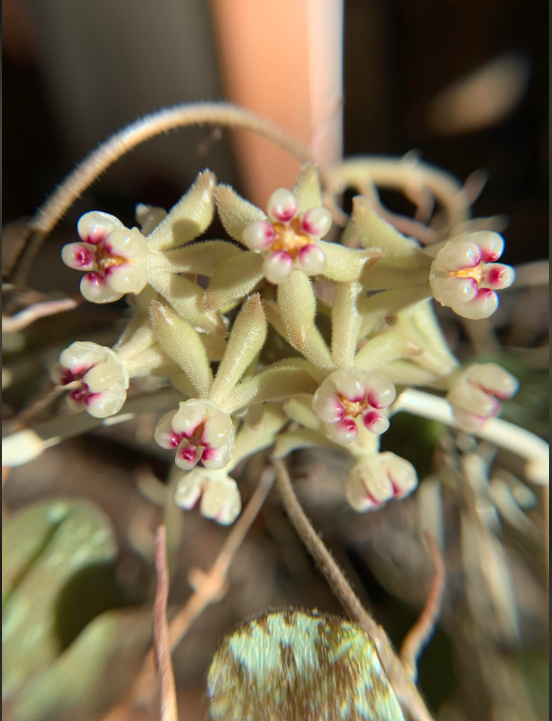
[{"x": 464, "y": 83}]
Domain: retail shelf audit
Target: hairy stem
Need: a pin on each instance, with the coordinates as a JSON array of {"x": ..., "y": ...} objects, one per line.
[
  {"x": 400, "y": 679},
  {"x": 125, "y": 140}
]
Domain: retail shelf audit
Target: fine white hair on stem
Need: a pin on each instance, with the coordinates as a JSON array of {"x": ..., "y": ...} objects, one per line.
[{"x": 128, "y": 138}]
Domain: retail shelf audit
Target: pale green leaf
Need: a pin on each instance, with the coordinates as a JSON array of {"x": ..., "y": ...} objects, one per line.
[
  {"x": 346, "y": 264},
  {"x": 407, "y": 373},
  {"x": 387, "y": 303},
  {"x": 307, "y": 190},
  {"x": 384, "y": 349},
  {"x": 297, "y": 306},
  {"x": 235, "y": 212},
  {"x": 270, "y": 384},
  {"x": 345, "y": 323},
  {"x": 200, "y": 258},
  {"x": 252, "y": 438},
  {"x": 315, "y": 349},
  {"x": 187, "y": 300},
  {"x": 182, "y": 343},
  {"x": 299, "y": 409},
  {"x": 233, "y": 279},
  {"x": 148, "y": 217},
  {"x": 189, "y": 217},
  {"x": 374, "y": 232},
  {"x": 246, "y": 339},
  {"x": 290, "y": 441}
]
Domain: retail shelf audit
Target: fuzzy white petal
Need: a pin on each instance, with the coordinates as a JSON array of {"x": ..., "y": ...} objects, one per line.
[
  {"x": 456, "y": 256},
  {"x": 94, "y": 226},
  {"x": 277, "y": 267},
  {"x": 343, "y": 432},
  {"x": 311, "y": 260},
  {"x": 107, "y": 402},
  {"x": 380, "y": 390},
  {"x": 282, "y": 205},
  {"x": 317, "y": 222},
  {"x": 483, "y": 305},
  {"x": 490, "y": 243},
  {"x": 453, "y": 290},
  {"x": 221, "y": 501},
  {"x": 259, "y": 235},
  {"x": 81, "y": 256},
  {"x": 95, "y": 288},
  {"x": 103, "y": 375}
]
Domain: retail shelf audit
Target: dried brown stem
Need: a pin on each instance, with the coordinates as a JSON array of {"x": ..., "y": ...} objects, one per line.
[
  {"x": 401, "y": 681},
  {"x": 418, "y": 636},
  {"x": 210, "y": 587},
  {"x": 167, "y": 692},
  {"x": 23, "y": 319},
  {"x": 218, "y": 114}
]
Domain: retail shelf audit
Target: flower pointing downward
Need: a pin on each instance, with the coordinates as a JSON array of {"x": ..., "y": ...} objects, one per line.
[
  {"x": 117, "y": 257},
  {"x": 346, "y": 395},
  {"x": 220, "y": 497},
  {"x": 287, "y": 239},
  {"x": 200, "y": 431},
  {"x": 377, "y": 479},
  {"x": 465, "y": 277},
  {"x": 476, "y": 396}
]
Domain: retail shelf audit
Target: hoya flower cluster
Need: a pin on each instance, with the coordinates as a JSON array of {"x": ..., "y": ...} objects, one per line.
[{"x": 224, "y": 341}]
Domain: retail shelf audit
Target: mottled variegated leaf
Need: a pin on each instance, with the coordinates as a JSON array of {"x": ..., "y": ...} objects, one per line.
[{"x": 299, "y": 666}]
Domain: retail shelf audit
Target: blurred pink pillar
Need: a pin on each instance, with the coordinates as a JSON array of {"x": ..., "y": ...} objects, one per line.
[{"x": 283, "y": 60}]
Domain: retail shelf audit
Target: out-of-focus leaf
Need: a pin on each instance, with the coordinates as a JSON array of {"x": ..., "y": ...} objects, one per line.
[
  {"x": 92, "y": 674},
  {"x": 43, "y": 546}
]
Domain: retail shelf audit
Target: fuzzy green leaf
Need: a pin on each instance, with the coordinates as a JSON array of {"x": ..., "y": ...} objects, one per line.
[
  {"x": 233, "y": 279},
  {"x": 346, "y": 264},
  {"x": 374, "y": 232},
  {"x": 200, "y": 258},
  {"x": 235, "y": 212},
  {"x": 187, "y": 300},
  {"x": 252, "y": 438},
  {"x": 246, "y": 340},
  {"x": 307, "y": 190},
  {"x": 189, "y": 217},
  {"x": 291, "y": 441},
  {"x": 299, "y": 409},
  {"x": 384, "y": 349},
  {"x": 297, "y": 306},
  {"x": 183, "y": 344},
  {"x": 270, "y": 385}
]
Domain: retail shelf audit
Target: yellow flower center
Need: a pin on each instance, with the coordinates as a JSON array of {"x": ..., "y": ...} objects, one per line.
[{"x": 290, "y": 238}]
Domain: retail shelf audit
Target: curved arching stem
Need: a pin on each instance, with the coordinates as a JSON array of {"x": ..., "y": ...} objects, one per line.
[{"x": 128, "y": 138}]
